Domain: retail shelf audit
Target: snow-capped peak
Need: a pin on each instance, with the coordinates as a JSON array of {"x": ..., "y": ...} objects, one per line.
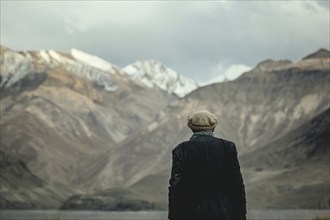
[
  {"x": 153, "y": 73},
  {"x": 91, "y": 60}
]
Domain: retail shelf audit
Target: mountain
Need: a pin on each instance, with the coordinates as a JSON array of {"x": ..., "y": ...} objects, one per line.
[
  {"x": 88, "y": 135},
  {"x": 296, "y": 165},
  {"x": 21, "y": 189},
  {"x": 321, "y": 53},
  {"x": 152, "y": 73},
  {"x": 267, "y": 104},
  {"x": 61, "y": 110}
]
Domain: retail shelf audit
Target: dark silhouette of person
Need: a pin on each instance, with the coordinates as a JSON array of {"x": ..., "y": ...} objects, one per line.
[{"x": 206, "y": 182}]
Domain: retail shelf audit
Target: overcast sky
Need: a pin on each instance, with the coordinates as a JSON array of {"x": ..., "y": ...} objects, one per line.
[{"x": 202, "y": 40}]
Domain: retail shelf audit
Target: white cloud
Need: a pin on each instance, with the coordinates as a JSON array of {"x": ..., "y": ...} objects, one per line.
[
  {"x": 227, "y": 74},
  {"x": 234, "y": 71}
]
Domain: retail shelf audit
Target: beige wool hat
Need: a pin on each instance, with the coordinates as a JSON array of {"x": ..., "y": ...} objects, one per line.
[{"x": 202, "y": 120}]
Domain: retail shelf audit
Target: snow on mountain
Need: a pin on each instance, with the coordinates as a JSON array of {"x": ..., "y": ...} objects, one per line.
[
  {"x": 14, "y": 67},
  {"x": 92, "y": 60},
  {"x": 153, "y": 73},
  {"x": 18, "y": 65},
  {"x": 150, "y": 73}
]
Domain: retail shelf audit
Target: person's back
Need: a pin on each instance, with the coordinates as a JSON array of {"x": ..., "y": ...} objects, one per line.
[{"x": 206, "y": 182}]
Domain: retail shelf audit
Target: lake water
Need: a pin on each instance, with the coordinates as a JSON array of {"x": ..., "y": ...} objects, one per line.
[{"x": 149, "y": 215}]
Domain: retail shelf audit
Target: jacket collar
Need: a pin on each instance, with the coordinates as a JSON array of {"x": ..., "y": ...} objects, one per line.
[{"x": 201, "y": 133}]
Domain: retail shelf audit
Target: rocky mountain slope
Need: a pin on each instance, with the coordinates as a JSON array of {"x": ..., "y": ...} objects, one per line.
[
  {"x": 81, "y": 128},
  {"x": 61, "y": 110},
  {"x": 270, "y": 103},
  {"x": 294, "y": 168},
  {"x": 288, "y": 173},
  {"x": 21, "y": 189}
]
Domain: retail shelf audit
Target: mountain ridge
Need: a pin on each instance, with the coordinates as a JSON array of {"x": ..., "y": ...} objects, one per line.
[
  {"x": 72, "y": 112},
  {"x": 153, "y": 73},
  {"x": 253, "y": 110},
  {"x": 96, "y": 68},
  {"x": 122, "y": 138},
  {"x": 321, "y": 53}
]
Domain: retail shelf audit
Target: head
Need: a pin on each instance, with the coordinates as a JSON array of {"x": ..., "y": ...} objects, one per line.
[{"x": 202, "y": 121}]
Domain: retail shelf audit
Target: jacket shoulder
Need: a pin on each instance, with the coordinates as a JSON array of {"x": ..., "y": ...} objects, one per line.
[
  {"x": 225, "y": 141},
  {"x": 228, "y": 144},
  {"x": 179, "y": 146}
]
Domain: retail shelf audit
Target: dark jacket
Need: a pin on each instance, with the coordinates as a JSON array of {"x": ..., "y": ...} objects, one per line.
[{"x": 206, "y": 181}]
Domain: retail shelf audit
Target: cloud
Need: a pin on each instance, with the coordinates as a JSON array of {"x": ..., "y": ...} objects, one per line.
[
  {"x": 323, "y": 3},
  {"x": 234, "y": 71},
  {"x": 192, "y": 37},
  {"x": 227, "y": 74}
]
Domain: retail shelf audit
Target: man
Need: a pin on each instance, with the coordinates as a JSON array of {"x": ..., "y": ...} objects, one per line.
[{"x": 206, "y": 182}]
